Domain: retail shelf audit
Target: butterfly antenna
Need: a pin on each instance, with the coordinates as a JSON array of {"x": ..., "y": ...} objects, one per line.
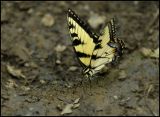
[{"x": 96, "y": 78}]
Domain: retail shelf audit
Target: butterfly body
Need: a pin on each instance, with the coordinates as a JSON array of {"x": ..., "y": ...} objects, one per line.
[{"x": 93, "y": 51}]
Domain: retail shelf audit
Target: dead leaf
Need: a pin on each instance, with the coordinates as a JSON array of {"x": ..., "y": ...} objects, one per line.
[
  {"x": 149, "y": 53},
  {"x": 76, "y": 105},
  {"x": 11, "y": 84},
  {"x": 67, "y": 109},
  {"x": 76, "y": 101},
  {"x": 155, "y": 53},
  {"x": 15, "y": 72},
  {"x": 146, "y": 51}
]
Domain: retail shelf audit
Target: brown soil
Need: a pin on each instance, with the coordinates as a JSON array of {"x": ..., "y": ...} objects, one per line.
[{"x": 130, "y": 87}]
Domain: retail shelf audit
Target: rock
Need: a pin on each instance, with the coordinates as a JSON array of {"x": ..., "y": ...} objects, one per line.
[
  {"x": 48, "y": 20},
  {"x": 60, "y": 48},
  {"x": 73, "y": 68},
  {"x": 95, "y": 20},
  {"x": 122, "y": 75}
]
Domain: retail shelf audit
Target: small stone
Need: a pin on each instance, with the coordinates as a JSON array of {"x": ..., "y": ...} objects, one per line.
[
  {"x": 149, "y": 53},
  {"x": 20, "y": 30},
  {"x": 42, "y": 81},
  {"x": 25, "y": 88},
  {"x": 95, "y": 20},
  {"x": 30, "y": 11},
  {"x": 122, "y": 75},
  {"x": 58, "y": 62},
  {"x": 60, "y": 48},
  {"x": 48, "y": 20},
  {"x": 73, "y": 68},
  {"x": 115, "y": 97}
]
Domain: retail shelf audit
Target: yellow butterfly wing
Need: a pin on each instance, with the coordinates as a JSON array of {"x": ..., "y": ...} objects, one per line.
[
  {"x": 82, "y": 41},
  {"x": 103, "y": 51}
]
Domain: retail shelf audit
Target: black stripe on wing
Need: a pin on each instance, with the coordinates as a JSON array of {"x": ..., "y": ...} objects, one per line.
[
  {"x": 95, "y": 57},
  {"x": 74, "y": 35},
  {"x": 98, "y": 46},
  {"x": 77, "y": 42},
  {"x": 82, "y": 55},
  {"x": 71, "y": 26}
]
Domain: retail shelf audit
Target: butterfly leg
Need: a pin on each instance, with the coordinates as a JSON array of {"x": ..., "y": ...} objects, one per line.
[
  {"x": 82, "y": 84},
  {"x": 97, "y": 81},
  {"x": 90, "y": 86}
]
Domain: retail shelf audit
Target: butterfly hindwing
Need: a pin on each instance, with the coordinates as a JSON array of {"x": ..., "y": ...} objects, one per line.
[{"x": 104, "y": 52}]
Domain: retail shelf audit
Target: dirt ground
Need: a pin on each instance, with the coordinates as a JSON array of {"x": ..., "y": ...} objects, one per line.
[{"x": 40, "y": 74}]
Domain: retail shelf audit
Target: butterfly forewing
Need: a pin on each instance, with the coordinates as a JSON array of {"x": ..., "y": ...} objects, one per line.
[{"x": 81, "y": 40}]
